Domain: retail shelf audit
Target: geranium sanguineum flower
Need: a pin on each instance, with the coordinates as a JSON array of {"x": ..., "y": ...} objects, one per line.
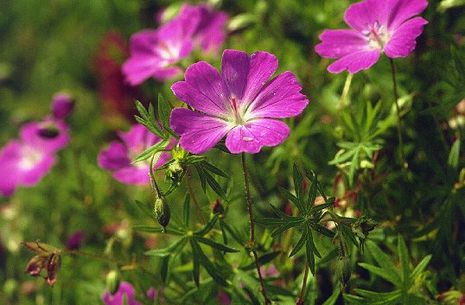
[
  {"x": 24, "y": 162},
  {"x": 156, "y": 53},
  {"x": 377, "y": 26},
  {"x": 118, "y": 156},
  {"x": 241, "y": 103},
  {"x": 125, "y": 295}
]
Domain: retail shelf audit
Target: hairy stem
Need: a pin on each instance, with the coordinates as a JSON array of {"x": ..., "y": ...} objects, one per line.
[
  {"x": 300, "y": 300},
  {"x": 345, "y": 91},
  {"x": 251, "y": 244},
  {"x": 399, "y": 118},
  {"x": 194, "y": 199}
]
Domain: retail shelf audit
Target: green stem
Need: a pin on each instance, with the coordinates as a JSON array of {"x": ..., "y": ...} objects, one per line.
[
  {"x": 251, "y": 243},
  {"x": 194, "y": 199},
  {"x": 345, "y": 91},
  {"x": 300, "y": 300},
  {"x": 155, "y": 187},
  {"x": 399, "y": 118}
]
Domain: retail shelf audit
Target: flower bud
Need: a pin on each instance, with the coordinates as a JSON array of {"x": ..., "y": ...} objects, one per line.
[
  {"x": 175, "y": 172},
  {"x": 162, "y": 212},
  {"x": 62, "y": 106},
  {"x": 217, "y": 207},
  {"x": 112, "y": 281}
]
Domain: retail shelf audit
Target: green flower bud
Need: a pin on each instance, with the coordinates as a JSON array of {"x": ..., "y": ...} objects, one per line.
[
  {"x": 162, "y": 212},
  {"x": 112, "y": 281}
]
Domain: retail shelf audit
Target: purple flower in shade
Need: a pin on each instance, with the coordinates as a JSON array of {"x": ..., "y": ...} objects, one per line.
[
  {"x": 377, "y": 26},
  {"x": 154, "y": 53},
  {"x": 117, "y": 158},
  {"x": 74, "y": 241},
  {"x": 25, "y": 161},
  {"x": 62, "y": 106},
  {"x": 152, "y": 293},
  {"x": 241, "y": 103},
  {"x": 124, "y": 296},
  {"x": 210, "y": 32}
]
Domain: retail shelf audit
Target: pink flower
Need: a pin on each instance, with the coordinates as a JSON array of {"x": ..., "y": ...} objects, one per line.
[
  {"x": 62, "y": 106},
  {"x": 156, "y": 53},
  {"x": 241, "y": 103},
  {"x": 26, "y": 161},
  {"x": 124, "y": 296},
  {"x": 117, "y": 158},
  {"x": 377, "y": 26}
]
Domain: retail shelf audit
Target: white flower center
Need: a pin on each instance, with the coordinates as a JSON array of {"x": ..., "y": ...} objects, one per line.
[
  {"x": 29, "y": 158},
  {"x": 376, "y": 35},
  {"x": 238, "y": 113}
]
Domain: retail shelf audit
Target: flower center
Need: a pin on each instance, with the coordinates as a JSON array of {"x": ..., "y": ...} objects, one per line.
[
  {"x": 237, "y": 113},
  {"x": 30, "y": 157},
  {"x": 377, "y": 36}
]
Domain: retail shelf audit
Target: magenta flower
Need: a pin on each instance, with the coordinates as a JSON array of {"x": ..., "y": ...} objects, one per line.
[
  {"x": 156, "y": 53},
  {"x": 241, "y": 103},
  {"x": 124, "y": 296},
  {"x": 26, "y": 161},
  {"x": 117, "y": 158},
  {"x": 62, "y": 106},
  {"x": 377, "y": 26},
  {"x": 209, "y": 34}
]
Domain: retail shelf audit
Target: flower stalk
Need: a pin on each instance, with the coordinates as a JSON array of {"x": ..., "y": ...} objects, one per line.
[
  {"x": 399, "y": 117},
  {"x": 251, "y": 243}
]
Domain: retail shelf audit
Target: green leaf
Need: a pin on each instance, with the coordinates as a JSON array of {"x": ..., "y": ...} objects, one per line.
[
  {"x": 380, "y": 272},
  {"x": 195, "y": 262},
  {"x": 454, "y": 155},
  {"x": 404, "y": 261},
  {"x": 262, "y": 260},
  {"x": 215, "y": 244},
  {"x": 186, "y": 210},
  {"x": 210, "y": 167},
  {"x": 208, "y": 226},
  {"x": 164, "y": 111},
  {"x": 207, "y": 264},
  {"x": 289, "y": 196},
  {"x": 323, "y": 230},
  {"x": 279, "y": 230},
  {"x": 300, "y": 243},
  {"x": 151, "y": 229},
  {"x": 164, "y": 265},
  {"x": 333, "y": 298},
  {"x": 299, "y": 187},
  {"x": 149, "y": 152},
  {"x": 384, "y": 261},
  {"x": 144, "y": 208},
  {"x": 176, "y": 246},
  {"x": 420, "y": 267},
  {"x": 310, "y": 255}
]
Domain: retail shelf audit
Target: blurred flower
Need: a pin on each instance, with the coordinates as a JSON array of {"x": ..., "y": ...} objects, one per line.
[
  {"x": 241, "y": 103},
  {"x": 377, "y": 26},
  {"x": 117, "y": 158},
  {"x": 152, "y": 293},
  {"x": 26, "y": 161},
  {"x": 209, "y": 34},
  {"x": 124, "y": 295},
  {"x": 116, "y": 94},
  {"x": 156, "y": 53},
  {"x": 75, "y": 240},
  {"x": 223, "y": 298},
  {"x": 62, "y": 106}
]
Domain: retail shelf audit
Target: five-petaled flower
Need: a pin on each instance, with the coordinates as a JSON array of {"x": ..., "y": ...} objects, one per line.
[
  {"x": 377, "y": 26},
  {"x": 118, "y": 156},
  {"x": 241, "y": 103},
  {"x": 156, "y": 53}
]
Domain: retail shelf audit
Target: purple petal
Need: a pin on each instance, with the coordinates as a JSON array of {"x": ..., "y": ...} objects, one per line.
[
  {"x": 355, "y": 62},
  {"x": 33, "y": 134},
  {"x": 31, "y": 176},
  {"x": 213, "y": 33},
  {"x": 256, "y": 134},
  {"x": 125, "y": 291},
  {"x": 339, "y": 43},
  {"x": 398, "y": 11},
  {"x": 361, "y": 15},
  {"x": 281, "y": 98},
  {"x": 141, "y": 67},
  {"x": 403, "y": 40},
  {"x": 114, "y": 157},
  {"x": 234, "y": 71},
  {"x": 198, "y": 132},
  {"x": 135, "y": 175},
  {"x": 203, "y": 89},
  {"x": 62, "y": 106},
  {"x": 138, "y": 138},
  {"x": 10, "y": 156},
  {"x": 262, "y": 66}
]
